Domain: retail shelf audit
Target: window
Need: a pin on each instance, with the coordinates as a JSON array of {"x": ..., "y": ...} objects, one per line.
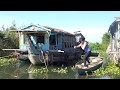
[
  {"x": 40, "y": 38},
  {"x": 52, "y": 40}
]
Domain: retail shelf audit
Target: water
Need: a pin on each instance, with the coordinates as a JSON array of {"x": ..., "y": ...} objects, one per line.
[{"x": 25, "y": 70}]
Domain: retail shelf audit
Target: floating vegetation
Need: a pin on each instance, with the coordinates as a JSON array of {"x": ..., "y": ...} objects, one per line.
[
  {"x": 7, "y": 61},
  {"x": 38, "y": 70},
  {"x": 73, "y": 68},
  {"x": 60, "y": 70},
  {"x": 112, "y": 69}
]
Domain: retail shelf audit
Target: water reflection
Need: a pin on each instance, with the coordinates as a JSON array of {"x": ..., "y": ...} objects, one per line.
[
  {"x": 14, "y": 71},
  {"x": 34, "y": 75},
  {"x": 41, "y": 72},
  {"x": 37, "y": 76},
  {"x": 25, "y": 70}
]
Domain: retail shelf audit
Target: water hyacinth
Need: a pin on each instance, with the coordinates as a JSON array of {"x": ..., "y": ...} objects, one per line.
[
  {"x": 111, "y": 69},
  {"x": 45, "y": 70},
  {"x": 7, "y": 61},
  {"x": 60, "y": 70},
  {"x": 73, "y": 68},
  {"x": 39, "y": 70}
]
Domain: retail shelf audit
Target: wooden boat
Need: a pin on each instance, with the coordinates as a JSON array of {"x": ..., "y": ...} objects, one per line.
[{"x": 96, "y": 63}]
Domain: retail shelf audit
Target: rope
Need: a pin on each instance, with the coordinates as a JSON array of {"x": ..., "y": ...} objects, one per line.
[
  {"x": 29, "y": 67},
  {"x": 43, "y": 58}
]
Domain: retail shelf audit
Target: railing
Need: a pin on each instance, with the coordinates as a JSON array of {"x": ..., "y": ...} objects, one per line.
[{"x": 54, "y": 47}]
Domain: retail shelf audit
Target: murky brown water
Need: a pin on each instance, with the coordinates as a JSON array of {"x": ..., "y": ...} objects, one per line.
[{"x": 23, "y": 70}]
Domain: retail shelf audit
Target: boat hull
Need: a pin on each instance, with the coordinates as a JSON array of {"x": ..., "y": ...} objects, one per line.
[
  {"x": 84, "y": 71},
  {"x": 81, "y": 70},
  {"x": 24, "y": 58},
  {"x": 54, "y": 58},
  {"x": 35, "y": 59}
]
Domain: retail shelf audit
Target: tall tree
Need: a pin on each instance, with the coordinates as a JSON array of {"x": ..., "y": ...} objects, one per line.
[
  {"x": 8, "y": 39},
  {"x": 106, "y": 38},
  {"x": 101, "y": 47}
]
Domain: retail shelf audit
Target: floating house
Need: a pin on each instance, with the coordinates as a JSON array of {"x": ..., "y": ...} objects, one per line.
[{"x": 47, "y": 44}]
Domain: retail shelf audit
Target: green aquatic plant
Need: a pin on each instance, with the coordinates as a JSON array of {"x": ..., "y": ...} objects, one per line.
[
  {"x": 7, "y": 61},
  {"x": 62, "y": 70},
  {"x": 73, "y": 68},
  {"x": 112, "y": 69},
  {"x": 39, "y": 70},
  {"x": 42, "y": 70}
]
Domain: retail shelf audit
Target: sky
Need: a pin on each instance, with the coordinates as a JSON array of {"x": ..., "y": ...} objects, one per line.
[{"x": 92, "y": 24}]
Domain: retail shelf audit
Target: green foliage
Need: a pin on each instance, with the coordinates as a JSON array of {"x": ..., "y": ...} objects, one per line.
[
  {"x": 73, "y": 68},
  {"x": 60, "y": 70},
  {"x": 95, "y": 47},
  {"x": 2, "y": 35},
  {"x": 112, "y": 69},
  {"x": 104, "y": 44},
  {"x": 42, "y": 70},
  {"x": 106, "y": 38},
  {"x": 101, "y": 47},
  {"x": 7, "y": 61},
  {"x": 39, "y": 70},
  {"x": 8, "y": 39},
  {"x": 103, "y": 54}
]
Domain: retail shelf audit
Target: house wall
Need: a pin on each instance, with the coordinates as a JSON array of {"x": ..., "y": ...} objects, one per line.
[
  {"x": 46, "y": 45},
  {"x": 23, "y": 46},
  {"x": 60, "y": 41},
  {"x": 70, "y": 40}
]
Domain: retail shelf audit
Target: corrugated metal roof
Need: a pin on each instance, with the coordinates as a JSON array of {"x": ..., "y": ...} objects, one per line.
[
  {"x": 58, "y": 30},
  {"x": 35, "y": 28}
]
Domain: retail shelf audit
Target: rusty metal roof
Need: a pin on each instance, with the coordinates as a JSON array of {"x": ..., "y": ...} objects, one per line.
[
  {"x": 58, "y": 30},
  {"x": 33, "y": 28},
  {"x": 41, "y": 28},
  {"x": 36, "y": 28}
]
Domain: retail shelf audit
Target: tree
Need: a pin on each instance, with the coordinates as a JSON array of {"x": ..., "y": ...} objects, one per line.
[
  {"x": 95, "y": 47},
  {"x": 101, "y": 47},
  {"x": 104, "y": 44},
  {"x": 8, "y": 39},
  {"x": 106, "y": 38},
  {"x": 13, "y": 27}
]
